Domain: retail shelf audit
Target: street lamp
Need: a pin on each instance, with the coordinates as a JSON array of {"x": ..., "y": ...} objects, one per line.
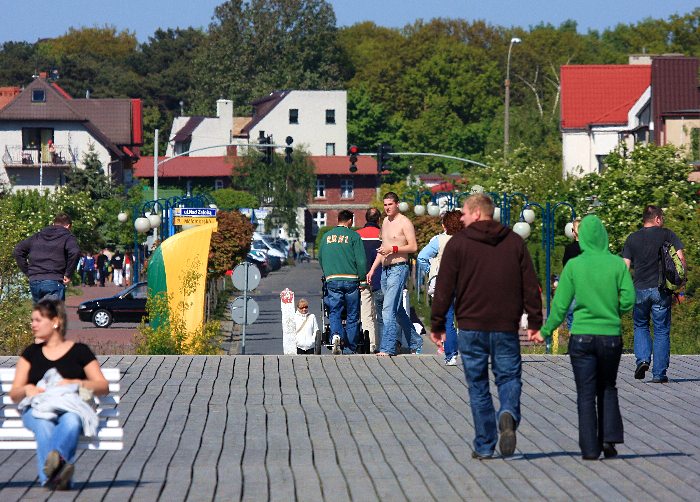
[{"x": 506, "y": 123}]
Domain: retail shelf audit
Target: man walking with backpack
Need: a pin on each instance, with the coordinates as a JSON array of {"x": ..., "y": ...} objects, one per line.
[{"x": 642, "y": 253}]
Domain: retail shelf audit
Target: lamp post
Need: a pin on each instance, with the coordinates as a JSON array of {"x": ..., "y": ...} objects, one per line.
[{"x": 506, "y": 121}]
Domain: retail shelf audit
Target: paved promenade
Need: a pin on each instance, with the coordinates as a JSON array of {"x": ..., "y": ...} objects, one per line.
[{"x": 359, "y": 428}]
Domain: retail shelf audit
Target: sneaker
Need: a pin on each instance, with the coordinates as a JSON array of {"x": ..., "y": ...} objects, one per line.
[
  {"x": 62, "y": 479},
  {"x": 417, "y": 351},
  {"x": 609, "y": 450},
  {"x": 663, "y": 379},
  {"x": 336, "y": 345},
  {"x": 641, "y": 370},
  {"x": 479, "y": 456},
  {"x": 52, "y": 464},
  {"x": 506, "y": 424},
  {"x": 451, "y": 361}
]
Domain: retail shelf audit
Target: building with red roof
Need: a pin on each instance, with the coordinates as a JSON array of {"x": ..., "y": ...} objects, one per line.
[{"x": 656, "y": 99}]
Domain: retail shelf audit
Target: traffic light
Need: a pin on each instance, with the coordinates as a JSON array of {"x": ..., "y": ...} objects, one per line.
[
  {"x": 288, "y": 150},
  {"x": 353, "y": 151},
  {"x": 383, "y": 157}
]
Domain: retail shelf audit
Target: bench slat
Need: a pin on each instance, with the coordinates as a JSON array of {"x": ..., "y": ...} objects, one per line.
[
  {"x": 7, "y": 386},
  {"x": 105, "y": 433},
  {"x": 13, "y": 412},
  {"x": 85, "y": 444},
  {"x": 103, "y": 400},
  {"x": 111, "y": 374},
  {"x": 16, "y": 423}
]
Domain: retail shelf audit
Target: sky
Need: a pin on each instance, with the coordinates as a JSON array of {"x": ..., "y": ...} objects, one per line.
[{"x": 24, "y": 20}]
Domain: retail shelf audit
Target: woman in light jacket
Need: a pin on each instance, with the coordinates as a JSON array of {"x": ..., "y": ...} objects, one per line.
[
  {"x": 56, "y": 439},
  {"x": 306, "y": 328}
]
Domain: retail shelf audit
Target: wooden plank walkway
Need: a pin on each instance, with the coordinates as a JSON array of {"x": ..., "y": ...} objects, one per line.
[{"x": 360, "y": 428}]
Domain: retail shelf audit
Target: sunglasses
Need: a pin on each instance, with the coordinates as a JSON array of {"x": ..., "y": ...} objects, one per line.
[{"x": 303, "y": 307}]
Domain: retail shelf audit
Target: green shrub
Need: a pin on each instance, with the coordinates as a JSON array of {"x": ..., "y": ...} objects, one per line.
[{"x": 16, "y": 332}]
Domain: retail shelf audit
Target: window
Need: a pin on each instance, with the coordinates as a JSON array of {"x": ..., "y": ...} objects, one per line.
[
  {"x": 218, "y": 184},
  {"x": 330, "y": 149},
  {"x": 34, "y": 137},
  {"x": 346, "y": 189},
  {"x": 330, "y": 116},
  {"x": 320, "y": 218},
  {"x": 601, "y": 163},
  {"x": 38, "y": 96},
  {"x": 293, "y": 116},
  {"x": 320, "y": 187},
  {"x": 182, "y": 147}
]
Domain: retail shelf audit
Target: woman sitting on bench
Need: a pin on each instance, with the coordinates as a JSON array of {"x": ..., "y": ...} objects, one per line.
[{"x": 56, "y": 439}]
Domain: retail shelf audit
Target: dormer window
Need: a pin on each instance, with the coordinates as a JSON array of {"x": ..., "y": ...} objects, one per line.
[{"x": 38, "y": 96}]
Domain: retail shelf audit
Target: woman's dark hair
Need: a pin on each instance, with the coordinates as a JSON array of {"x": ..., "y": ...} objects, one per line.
[
  {"x": 53, "y": 309},
  {"x": 452, "y": 221}
]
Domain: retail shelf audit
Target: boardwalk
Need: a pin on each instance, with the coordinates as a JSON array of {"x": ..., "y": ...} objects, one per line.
[{"x": 358, "y": 428}]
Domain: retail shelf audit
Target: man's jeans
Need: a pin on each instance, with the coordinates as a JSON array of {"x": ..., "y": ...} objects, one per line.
[
  {"x": 595, "y": 360},
  {"x": 344, "y": 294},
  {"x": 54, "y": 289},
  {"x": 654, "y": 305},
  {"x": 61, "y": 434},
  {"x": 450, "y": 334},
  {"x": 504, "y": 351},
  {"x": 393, "y": 314}
]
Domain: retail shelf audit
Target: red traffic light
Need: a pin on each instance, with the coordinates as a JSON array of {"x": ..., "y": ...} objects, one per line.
[{"x": 354, "y": 150}]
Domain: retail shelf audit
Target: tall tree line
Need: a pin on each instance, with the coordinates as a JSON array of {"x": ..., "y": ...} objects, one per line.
[{"x": 433, "y": 86}]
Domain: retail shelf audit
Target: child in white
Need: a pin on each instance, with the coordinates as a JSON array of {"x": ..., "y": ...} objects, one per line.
[{"x": 306, "y": 328}]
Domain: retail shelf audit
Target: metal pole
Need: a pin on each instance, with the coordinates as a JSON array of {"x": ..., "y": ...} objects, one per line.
[
  {"x": 506, "y": 119},
  {"x": 549, "y": 224},
  {"x": 155, "y": 177},
  {"x": 245, "y": 307}
]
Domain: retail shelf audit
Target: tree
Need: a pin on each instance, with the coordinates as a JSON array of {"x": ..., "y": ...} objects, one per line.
[
  {"x": 260, "y": 46},
  {"x": 90, "y": 178},
  {"x": 281, "y": 186},
  {"x": 17, "y": 63},
  {"x": 228, "y": 198},
  {"x": 231, "y": 242}
]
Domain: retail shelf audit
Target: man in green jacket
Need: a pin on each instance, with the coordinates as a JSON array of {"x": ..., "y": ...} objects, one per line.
[
  {"x": 342, "y": 259},
  {"x": 603, "y": 289}
]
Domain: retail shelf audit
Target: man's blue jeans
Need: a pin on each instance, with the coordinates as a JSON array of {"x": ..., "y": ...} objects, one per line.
[
  {"x": 655, "y": 305},
  {"x": 61, "y": 434},
  {"x": 40, "y": 289},
  {"x": 393, "y": 314},
  {"x": 504, "y": 350},
  {"x": 344, "y": 295}
]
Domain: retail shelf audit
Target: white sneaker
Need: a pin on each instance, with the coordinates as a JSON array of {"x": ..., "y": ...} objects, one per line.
[
  {"x": 336, "y": 345},
  {"x": 452, "y": 361}
]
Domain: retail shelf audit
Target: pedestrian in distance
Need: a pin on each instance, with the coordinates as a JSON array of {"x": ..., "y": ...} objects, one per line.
[
  {"x": 117, "y": 263},
  {"x": 306, "y": 328},
  {"x": 57, "y": 438},
  {"x": 429, "y": 260},
  {"x": 342, "y": 259},
  {"x": 49, "y": 258},
  {"x": 653, "y": 300},
  {"x": 398, "y": 241},
  {"x": 487, "y": 272},
  {"x": 101, "y": 263},
  {"x": 371, "y": 298},
  {"x": 603, "y": 289}
]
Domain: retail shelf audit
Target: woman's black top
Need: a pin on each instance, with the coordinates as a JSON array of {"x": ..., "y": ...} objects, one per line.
[{"x": 71, "y": 365}]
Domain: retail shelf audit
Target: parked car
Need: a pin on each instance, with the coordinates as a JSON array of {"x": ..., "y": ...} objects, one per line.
[
  {"x": 259, "y": 259},
  {"x": 127, "y": 306},
  {"x": 263, "y": 243}
]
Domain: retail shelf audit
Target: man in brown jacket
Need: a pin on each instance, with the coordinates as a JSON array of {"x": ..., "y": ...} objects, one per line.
[{"x": 488, "y": 271}]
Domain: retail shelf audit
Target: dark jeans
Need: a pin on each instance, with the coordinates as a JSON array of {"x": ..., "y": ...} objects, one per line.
[
  {"x": 41, "y": 289},
  {"x": 305, "y": 351},
  {"x": 595, "y": 359}
]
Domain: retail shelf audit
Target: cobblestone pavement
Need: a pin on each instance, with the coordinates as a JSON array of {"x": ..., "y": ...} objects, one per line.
[{"x": 360, "y": 428}]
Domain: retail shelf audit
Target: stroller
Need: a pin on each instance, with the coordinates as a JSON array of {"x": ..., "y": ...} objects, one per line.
[{"x": 324, "y": 336}]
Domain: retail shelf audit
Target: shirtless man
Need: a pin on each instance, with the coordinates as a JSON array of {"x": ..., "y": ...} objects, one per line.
[{"x": 398, "y": 240}]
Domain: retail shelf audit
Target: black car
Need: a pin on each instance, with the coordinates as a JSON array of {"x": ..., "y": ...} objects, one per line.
[{"x": 127, "y": 306}]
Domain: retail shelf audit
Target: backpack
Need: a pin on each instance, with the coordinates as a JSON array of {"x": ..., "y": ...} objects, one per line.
[
  {"x": 435, "y": 263},
  {"x": 672, "y": 273}
]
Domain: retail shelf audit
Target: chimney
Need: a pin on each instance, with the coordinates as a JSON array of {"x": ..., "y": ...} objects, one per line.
[{"x": 224, "y": 112}]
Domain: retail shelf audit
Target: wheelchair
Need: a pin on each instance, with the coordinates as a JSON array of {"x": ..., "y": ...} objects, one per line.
[{"x": 324, "y": 335}]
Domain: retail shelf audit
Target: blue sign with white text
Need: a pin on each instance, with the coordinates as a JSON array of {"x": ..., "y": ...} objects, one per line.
[{"x": 194, "y": 212}]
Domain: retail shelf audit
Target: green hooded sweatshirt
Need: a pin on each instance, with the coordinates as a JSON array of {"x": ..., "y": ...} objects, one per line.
[{"x": 598, "y": 280}]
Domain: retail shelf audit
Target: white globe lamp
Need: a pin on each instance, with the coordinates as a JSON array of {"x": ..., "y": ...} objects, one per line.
[
  {"x": 403, "y": 206},
  {"x": 122, "y": 217},
  {"x": 142, "y": 225},
  {"x": 528, "y": 215},
  {"x": 213, "y": 206},
  {"x": 497, "y": 214},
  {"x": 433, "y": 210},
  {"x": 569, "y": 230},
  {"x": 522, "y": 228},
  {"x": 154, "y": 220},
  {"x": 419, "y": 210}
]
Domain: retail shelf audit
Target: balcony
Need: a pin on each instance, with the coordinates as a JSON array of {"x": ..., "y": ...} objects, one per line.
[{"x": 61, "y": 157}]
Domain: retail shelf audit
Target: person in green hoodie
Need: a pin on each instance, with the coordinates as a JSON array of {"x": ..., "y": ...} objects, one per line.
[{"x": 603, "y": 289}]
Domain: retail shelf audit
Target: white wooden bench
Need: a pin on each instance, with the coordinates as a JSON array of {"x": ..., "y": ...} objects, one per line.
[{"x": 14, "y": 436}]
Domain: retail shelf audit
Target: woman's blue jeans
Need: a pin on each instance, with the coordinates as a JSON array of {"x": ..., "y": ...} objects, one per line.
[
  {"x": 61, "y": 434},
  {"x": 450, "y": 334}
]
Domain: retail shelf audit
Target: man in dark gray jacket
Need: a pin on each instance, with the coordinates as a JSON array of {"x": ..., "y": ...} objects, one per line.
[{"x": 48, "y": 258}]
